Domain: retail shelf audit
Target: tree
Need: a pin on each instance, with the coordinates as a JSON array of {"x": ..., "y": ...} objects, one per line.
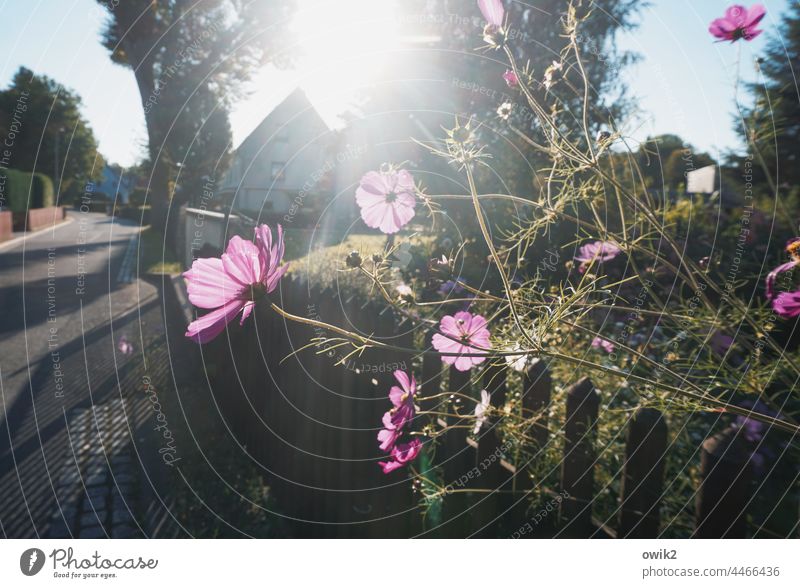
[
  {"x": 772, "y": 124},
  {"x": 50, "y": 135},
  {"x": 537, "y": 35},
  {"x": 451, "y": 79},
  {"x": 436, "y": 77},
  {"x": 665, "y": 160},
  {"x": 190, "y": 59}
]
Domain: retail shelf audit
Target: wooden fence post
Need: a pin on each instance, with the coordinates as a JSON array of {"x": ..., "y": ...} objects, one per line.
[
  {"x": 537, "y": 385},
  {"x": 459, "y": 458},
  {"x": 724, "y": 490},
  {"x": 536, "y": 398},
  {"x": 643, "y": 475},
  {"x": 577, "y": 469},
  {"x": 492, "y": 474},
  {"x": 431, "y": 373}
]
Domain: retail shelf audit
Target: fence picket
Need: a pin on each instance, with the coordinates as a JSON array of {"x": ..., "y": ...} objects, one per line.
[
  {"x": 724, "y": 490},
  {"x": 577, "y": 468},
  {"x": 490, "y": 453},
  {"x": 303, "y": 454},
  {"x": 643, "y": 474}
]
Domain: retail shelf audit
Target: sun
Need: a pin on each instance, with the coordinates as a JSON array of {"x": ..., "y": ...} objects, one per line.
[{"x": 343, "y": 46}]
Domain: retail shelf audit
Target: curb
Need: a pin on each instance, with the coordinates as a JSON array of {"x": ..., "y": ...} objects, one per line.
[
  {"x": 182, "y": 298},
  {"x": 17, "y": 240}
]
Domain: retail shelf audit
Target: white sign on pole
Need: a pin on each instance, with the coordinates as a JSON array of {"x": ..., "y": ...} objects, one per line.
[{"x": 702, "y": 181}]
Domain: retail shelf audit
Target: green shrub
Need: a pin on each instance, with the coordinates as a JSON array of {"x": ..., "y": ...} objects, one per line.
[
  {"x": 43, "y": 194},
  {"x": 137, "y": 197},
  {"x": 16, "y": 190},
  {"x": 20, "y": 185}
]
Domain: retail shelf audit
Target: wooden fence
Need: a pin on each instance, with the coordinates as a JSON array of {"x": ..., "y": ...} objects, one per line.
[{"x": 312, "y": 428}]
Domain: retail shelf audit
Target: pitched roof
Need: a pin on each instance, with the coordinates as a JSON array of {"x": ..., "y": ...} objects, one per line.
[{"x": 296, "y": 106}]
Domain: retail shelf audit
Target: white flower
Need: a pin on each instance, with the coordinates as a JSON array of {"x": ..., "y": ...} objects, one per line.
[
  {"x": 504, "y": 110},
  {"x": 517, "y": 362},
  {"x": 404, "y": 290},
  {"x": 480, "y": 411}
]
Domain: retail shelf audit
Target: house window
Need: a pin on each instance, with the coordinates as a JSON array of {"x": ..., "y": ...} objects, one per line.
[{"x": 278, "y": 171}]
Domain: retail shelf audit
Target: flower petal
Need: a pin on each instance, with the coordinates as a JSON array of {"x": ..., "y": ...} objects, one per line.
[
  {"x": 374, "y": 183},
  {"x": 208, "y": 326},
  {"x": 390, "y": 466},
  {"x": 404, "y": 184},
  {"x": 274, "y": 276},
  {"x": 492, "y": 11},
  {"x": 736, "y": 14},
  {"x": 721, "y": 29},
  {"x": 242, "y": 261},
  {"x": 787, "y": 304},
  {"x": 209, "y": 285},
  {"x": 396, "y": 395},
  {"x": 445, "y": 345},
  {"x": 404, "y": 380},
  {"x": 387, "y": 439},
  {"x": 773, "y": 275},
  {"x": 754, "y": 15}
]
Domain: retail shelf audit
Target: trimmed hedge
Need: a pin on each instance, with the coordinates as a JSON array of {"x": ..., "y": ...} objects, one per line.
[
  {"x": 43, "y": 193},
  {"x": 17, "y": 186}
]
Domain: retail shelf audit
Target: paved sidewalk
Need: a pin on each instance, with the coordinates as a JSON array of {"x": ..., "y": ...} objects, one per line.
[
  {"x": 99, "y": 495},
  {"x": 79, "y": 443}
]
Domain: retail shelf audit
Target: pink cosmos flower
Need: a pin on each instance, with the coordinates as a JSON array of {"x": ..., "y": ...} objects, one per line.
[
  {"x": 511, "y": 79},
  {"x": 604, "y": 344},
  {"x": 793, "y": 249},
  {"x": 387, "y": 200},
  {"x": 738, "y": 23},
  {"x": 232, "y": 284},
  {"x": 787, "y": 304},
  {"x": 394, "y": 420},
  {"x": 125, "y": 347},
  {"x": 599, "y": 250},
  {"x": 492, "y": 11},
  {"x": 402, "y": 454},
  {"x": 467, "y": 330}
]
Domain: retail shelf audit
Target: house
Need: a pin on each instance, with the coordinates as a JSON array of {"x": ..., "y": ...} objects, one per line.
[
  {"x": 116, "y": 183},
  {"x": 282, "y": 168}
]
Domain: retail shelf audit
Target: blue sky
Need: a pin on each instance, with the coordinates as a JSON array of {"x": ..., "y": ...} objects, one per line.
[{"x": 684, "y": 83}]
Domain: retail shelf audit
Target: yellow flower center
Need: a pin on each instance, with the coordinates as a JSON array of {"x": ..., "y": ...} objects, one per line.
[{"x": 793, "y": 249}]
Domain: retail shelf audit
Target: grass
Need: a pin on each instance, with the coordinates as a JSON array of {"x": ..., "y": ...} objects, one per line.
[
  {"x": 155, "y": 257},
  {"x": 325, "y": 266}
]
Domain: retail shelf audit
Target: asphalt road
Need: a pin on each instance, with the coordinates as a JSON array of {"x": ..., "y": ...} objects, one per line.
[{"x": 66, "y": 420}]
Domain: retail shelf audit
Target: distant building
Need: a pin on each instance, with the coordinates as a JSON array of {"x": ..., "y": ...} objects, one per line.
[
  {"x": 116, "y": 184},
  {"x": 282, "y": 167}
]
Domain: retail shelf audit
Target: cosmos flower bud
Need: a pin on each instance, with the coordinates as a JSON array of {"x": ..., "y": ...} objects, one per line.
[{"x": 354, "y": 260}]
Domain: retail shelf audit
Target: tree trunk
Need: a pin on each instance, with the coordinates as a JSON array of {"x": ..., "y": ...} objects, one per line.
[{"x": 158, "y": 181}]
